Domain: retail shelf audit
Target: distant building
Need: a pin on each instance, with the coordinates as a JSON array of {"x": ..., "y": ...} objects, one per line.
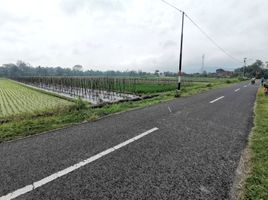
[{"x": 222, "y": 73}]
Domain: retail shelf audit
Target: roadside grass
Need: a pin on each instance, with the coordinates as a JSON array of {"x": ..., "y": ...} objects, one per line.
[
  {"x": 25, "y": 125},
  {"x": 256, "y": 186}
]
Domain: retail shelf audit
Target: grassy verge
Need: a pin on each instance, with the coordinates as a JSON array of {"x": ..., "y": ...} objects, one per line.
[
  {"x": 256, "y": 186},
  {"x": 29, "y": 125}
]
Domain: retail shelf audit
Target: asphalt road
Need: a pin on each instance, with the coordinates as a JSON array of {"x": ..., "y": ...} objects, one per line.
[{"x": 193, "y": 154}]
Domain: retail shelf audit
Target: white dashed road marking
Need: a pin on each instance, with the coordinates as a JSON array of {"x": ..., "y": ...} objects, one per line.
[
  {"x": 216, "y": 99},
  {"x": 237, "y": 90},
  {"x": 63, "y": 172}
]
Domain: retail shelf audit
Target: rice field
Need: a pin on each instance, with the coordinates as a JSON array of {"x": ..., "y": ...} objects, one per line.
[{"x": 17, "y": 99}]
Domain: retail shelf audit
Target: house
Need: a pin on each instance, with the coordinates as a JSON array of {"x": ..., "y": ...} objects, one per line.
[{"x": 222, "y": 73}]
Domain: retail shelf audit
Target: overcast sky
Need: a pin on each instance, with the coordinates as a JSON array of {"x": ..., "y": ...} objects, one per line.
[{"x": 131, "y": 34}]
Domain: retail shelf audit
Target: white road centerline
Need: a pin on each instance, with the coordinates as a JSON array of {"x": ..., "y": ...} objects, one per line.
[
  {"x": 237, "y": 89},
  {"x": 216, "y": 99},
  {"x": 169, "y": 109},
  {"x": 76, "y": 166},
  {"x": 245, "y": 85}
]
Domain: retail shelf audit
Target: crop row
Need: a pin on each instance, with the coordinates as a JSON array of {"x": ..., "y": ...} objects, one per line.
[
  {"x": 121, "y": 85},
  {"x": 16, "y": 99}
]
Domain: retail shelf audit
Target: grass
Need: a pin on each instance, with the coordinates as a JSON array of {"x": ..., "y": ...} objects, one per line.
[
  {"x": 16, "y": 99},
  {"x": 28, "y": 124},
  {"x": 150, "y": 87},
  {"x": 256, "y": 186}
]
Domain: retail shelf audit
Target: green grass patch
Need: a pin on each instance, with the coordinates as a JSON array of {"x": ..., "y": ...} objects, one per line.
[
  {"x": 146, "y": 88},
  {"x": 158, "y": 86},
  {"x": 256, "y": 186}
]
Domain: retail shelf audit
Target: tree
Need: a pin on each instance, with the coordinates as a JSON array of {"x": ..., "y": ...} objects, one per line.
[
  {"x": 78, "y": 68},
  {"x": 204, "y": 73},
  {"x": 11, "y": 70},
  {"x": 254, "y": 70},
  {"x": 218, "y": 71}
]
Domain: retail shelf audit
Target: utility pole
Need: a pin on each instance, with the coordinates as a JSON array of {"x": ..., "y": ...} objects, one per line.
[
  {"x": 180, "y": 61},
  {"x": 203, "y": 64},
  {"x": 245, "y": 64}
]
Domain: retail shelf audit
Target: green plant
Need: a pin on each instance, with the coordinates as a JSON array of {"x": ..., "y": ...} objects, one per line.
[
  {"x": 208, "y": 85},
  {"x": 16, "y": 99},
  {"x": 80, "y": 104},
  {"x": 257, "y": 183}
]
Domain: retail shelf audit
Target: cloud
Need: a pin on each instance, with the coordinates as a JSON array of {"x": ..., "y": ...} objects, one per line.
[
  {"x": 169, "y": 44},
  {"x": 75, "y": 6},
  {"x": 133, "y": 34}
]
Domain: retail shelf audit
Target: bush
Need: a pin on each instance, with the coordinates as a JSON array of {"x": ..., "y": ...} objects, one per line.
[
  {"x": 80, "y": 104},
  {"x": 241, "y": 78},
  {"x": 209, "y": 85},
  {"x": 228, "y": 81}
]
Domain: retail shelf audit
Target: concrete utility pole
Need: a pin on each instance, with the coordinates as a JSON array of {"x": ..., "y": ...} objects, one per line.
[
  {"x": 245, "y": 64},
  {"x": 180, "y": 61}
]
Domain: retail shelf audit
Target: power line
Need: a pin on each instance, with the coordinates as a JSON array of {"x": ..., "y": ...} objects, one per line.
[
  {"x": 212, "y": 40},
  {"x": 202, "y": 31},
  {"x": 171, "y": 5}
]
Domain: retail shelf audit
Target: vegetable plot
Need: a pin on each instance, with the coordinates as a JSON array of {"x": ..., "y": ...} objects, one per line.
[
  {"x": 101, "y": 89},
  {"x": 16, "y": 99}
]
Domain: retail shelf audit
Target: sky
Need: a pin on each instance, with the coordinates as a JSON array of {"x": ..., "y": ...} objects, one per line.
[{"x": 132, "y": 34}]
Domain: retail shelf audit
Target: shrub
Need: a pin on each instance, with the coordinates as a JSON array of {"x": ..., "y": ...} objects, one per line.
[
  {"x": 209, "y": 85},
  {"x": 80, "y": 104}
]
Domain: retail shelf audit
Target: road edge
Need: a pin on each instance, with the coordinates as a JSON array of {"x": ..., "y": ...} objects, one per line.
[{"x": 243, "y": 169}]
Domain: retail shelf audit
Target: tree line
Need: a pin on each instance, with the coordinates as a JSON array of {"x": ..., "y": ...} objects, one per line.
[
  {"x": 258, "y": 69},
  {"x": 23, "y": 69}
]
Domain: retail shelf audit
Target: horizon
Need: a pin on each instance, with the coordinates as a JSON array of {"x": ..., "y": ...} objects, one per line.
[{"x": 206, "y": 69}]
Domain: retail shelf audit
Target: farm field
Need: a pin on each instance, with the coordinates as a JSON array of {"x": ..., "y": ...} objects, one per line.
[
  {"x": 37, "y": 111},
  {"x": 16, "y": 99},
  {"x": 111, "y": 89}
]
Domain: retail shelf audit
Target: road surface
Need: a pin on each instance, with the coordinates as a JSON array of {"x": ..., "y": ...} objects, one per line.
[{"x": 187, "y": 148}]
